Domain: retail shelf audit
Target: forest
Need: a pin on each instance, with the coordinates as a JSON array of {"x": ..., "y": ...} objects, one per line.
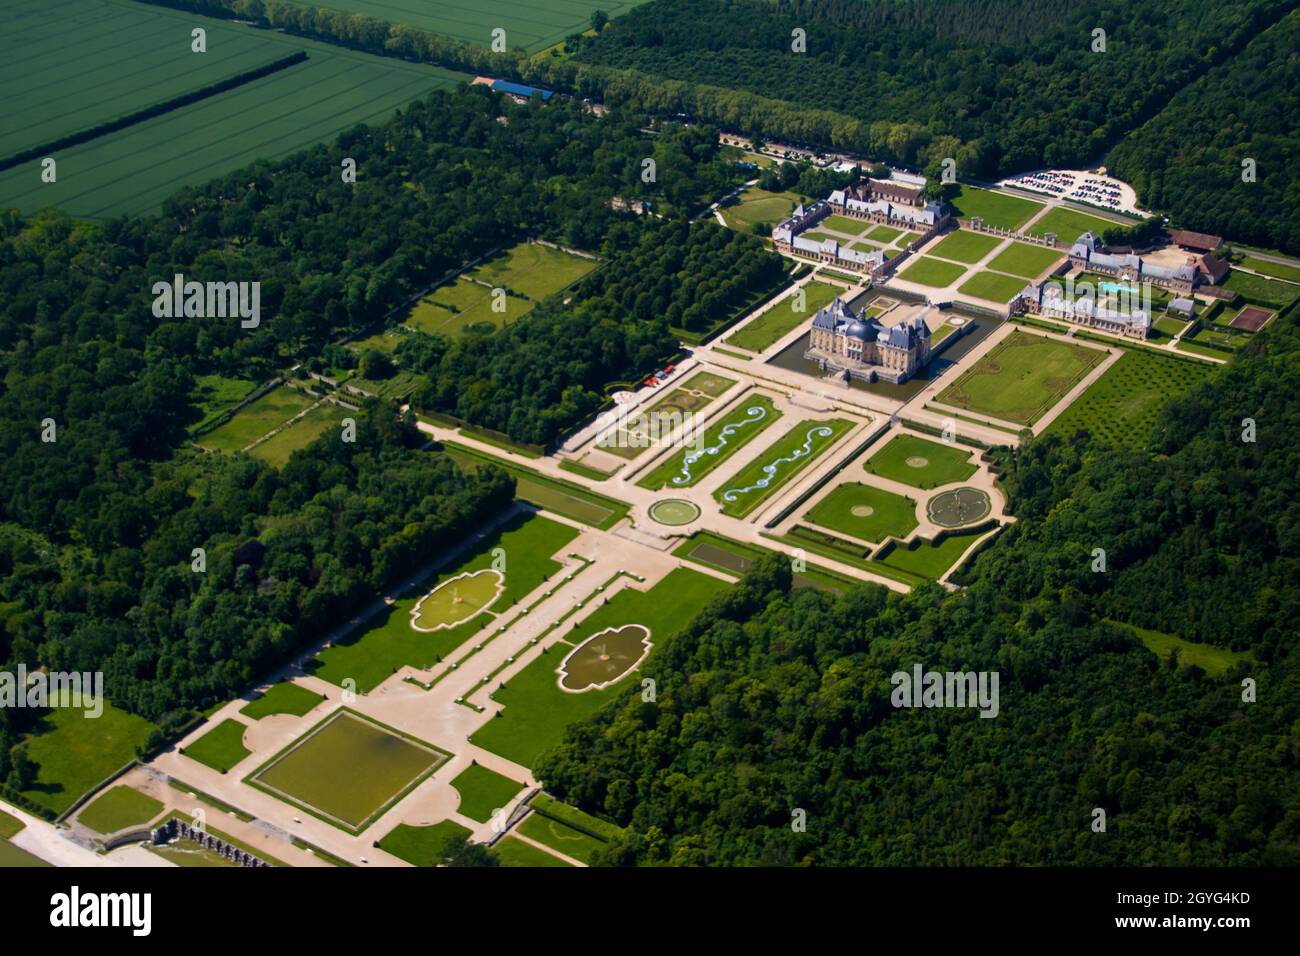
[
  {"x": 775, "y": 700},
  {"x": 1188, "y": 161}
]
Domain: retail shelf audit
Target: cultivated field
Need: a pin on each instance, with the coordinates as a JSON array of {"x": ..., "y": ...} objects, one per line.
[
  {"x": 533, "y": 26},
  {"x": 1021, "y": 378},
  {"x": 1122, "y": 406},
  {"x": 134, "y": 169}
]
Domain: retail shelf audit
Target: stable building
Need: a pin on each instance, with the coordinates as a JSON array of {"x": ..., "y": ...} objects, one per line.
[{"x": 1089, "y": 254}]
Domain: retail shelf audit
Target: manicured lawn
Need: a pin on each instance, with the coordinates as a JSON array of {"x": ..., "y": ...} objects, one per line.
[
  {"x": 1122, "y": 406},
  {"x": 221, "y": 747},
  {"x": 932, "y": 272},
  {"x": 119, "y": 808},
  {"x": 1069, "y": 224},
  {"x": 866, "y": 512},
  {"x": 484, "y": 792},
  {"x": 759, "y": 205},
  {"x": 9, "y": 825},
  {"x": 560, "y": 836},
  {"x": 721, "y": 440},
  {"x": 75, "y": 752},
  {"x": 213, "y": 394},
  {"x": 1025, "y": 260},
  {"x": 13, "y": 857},
  {"x": 710, "y": 383},
  {"x": 1213, "y": 660},
  {"x": 992, "y": 286},
  {"x": 778, "y": 464},
  {"x": 1275, "y": 269},
  {"x": 253, "y": 421},
  {"x": 965, "y": 246},
  {"x": 1168, "y": 327},
  {"x": 563, "y": 497},
  {"x": 575, "y": 819},
  {"x": 533, "y": 269},
  {"x": 424, "y": 846},
  {"x": 659, "y": 425},
  {"x": 783, "y": 318},
  {"x": 285, "y": 697},
  {"x": 1270, "y": 292},
  {"x": 845, "y": 224},
  {"x": 884, "y": 234},
  {"x": 324, "y": 418},
  {"x": 463, "y": 306},
  {"x": 998, "y": 209},
  {"x": 536, "y": 710},
  {"x": 513, "y": 852},
  {"x": 347, "y": 769},
  {"x": 389, "y": 642},
  {"x": 385, "y": 341},
  {"x": 920, "y": 462},
  {"x": 929, "y": 560},
  {"x": 1021, "y": 378}
]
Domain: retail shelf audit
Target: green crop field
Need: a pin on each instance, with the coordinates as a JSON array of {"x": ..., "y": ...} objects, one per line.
[
  {"x": 932, "y": 272},
  {"x": 930, "y": 560},
  {"x": 1270, "y": 292},
  {"x": 484, "y": 792},
  {"x": 1069, "y": 224},
  {"x": 424, "y": 846},
  {"x": 1121, "y": 407},
  {"x": 992, "y": 286},
  {"x": 256, "y": 419},
  {"x": 325, "y": 417},
  {"x": 865, "y": 512},
  {"x": 536, "y": 710},
  {"x": 531, "y": 26},
  {"x": 74, "y": 752},
  {"x": 920, "y": 462},
  {"x": 389, "y": 642},
  {"x": 778, "y": 464},
  {"x": 782, "y": 317},
  {"x": 285, "y": 697},
  {"x": 382, "y": 766},
  {"x": 1021, "y": 377},
  {"x": 720, "y": 441},
  {"x": 119, "y": 808},
  {"x": 221, "y": 747},
  {"x": 1024, "y": 260},
  {"x": 134, "y": 169},
  {"x": 998, "y": 209},
  {"x": 964, "y": 246},
  {"x": 127, "y": 57}
]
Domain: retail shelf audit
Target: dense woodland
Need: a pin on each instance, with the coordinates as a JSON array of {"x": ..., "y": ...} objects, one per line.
[
  {"x": 1187, "y": 162},
  {"x": 776, "y": 699}
]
